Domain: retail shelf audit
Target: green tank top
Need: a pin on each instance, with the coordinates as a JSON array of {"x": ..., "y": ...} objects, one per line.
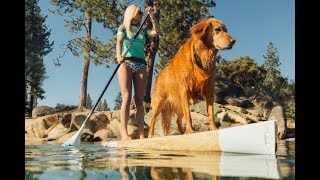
[{"x": 137, "y": 47}]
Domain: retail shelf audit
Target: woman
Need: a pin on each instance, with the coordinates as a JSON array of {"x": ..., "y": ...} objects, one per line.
[{"x": 133, "y": 65}]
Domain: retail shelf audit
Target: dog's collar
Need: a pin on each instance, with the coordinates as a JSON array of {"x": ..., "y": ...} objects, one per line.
[{"x": 198, "y": 63}]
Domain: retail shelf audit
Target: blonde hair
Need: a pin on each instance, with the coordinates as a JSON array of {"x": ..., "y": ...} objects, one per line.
[{"x": 130, "y": 12}]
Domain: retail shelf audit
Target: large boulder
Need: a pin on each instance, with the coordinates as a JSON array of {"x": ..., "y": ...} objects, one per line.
[
  {"x": 40, "y": 127},
  {"x": 40, "y": 111},
  {"x": 262, "y": 106},
  {"x": 277, "y": 114},
  {"x": 57, "y": 132},
  {"x": 102, "y": 135}
]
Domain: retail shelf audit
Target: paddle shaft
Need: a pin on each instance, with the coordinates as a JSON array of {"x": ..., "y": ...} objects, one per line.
[{"x": 106, "y": 87}]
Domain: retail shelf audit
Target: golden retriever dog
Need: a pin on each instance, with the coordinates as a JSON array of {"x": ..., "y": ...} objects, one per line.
[{"x": 190, "y": 73}]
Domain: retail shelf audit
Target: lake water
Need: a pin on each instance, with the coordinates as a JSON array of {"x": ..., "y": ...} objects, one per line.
[{"x": 94, "y": 162}]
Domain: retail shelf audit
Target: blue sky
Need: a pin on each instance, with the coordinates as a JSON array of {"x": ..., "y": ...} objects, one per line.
[{"x": 252, "y": 23}]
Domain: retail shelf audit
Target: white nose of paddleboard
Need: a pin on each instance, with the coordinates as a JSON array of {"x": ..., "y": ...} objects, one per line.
[{"x": 255, "y": 138}]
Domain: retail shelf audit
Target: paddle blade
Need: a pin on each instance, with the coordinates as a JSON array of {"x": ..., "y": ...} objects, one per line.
[{"x": 73, "y": 141}]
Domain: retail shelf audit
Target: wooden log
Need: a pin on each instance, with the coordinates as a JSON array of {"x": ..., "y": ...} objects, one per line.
[
  {"x": 236, "y": 117},
  {"x": 255, "y": 138},
  {"x": 240, "y": 111}
]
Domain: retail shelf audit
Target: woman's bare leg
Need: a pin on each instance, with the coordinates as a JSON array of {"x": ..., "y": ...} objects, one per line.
[
  {"x": 125, "y": 82},
  {"x": 140, "y": 84}
]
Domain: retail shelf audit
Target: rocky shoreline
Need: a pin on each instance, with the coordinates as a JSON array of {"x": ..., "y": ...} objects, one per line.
[{"x": 56, "y": 128}]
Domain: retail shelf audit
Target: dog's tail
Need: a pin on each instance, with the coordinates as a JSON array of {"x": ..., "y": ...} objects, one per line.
[{"x": 166, "y": 115}]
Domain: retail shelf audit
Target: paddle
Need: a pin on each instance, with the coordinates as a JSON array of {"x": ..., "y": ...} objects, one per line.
[{"x": 75, "y": 139}]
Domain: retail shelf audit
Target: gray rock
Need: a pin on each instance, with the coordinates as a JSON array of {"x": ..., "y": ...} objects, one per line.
[
  {"x": 224, "y": 88},
  {"x": 40, "y": 111},
  {"x": 239, "y": 101},
  {"x": 262, "y": 106},
  {"x": 277, "y": 114},
  {"x": 57, "y": 132}
]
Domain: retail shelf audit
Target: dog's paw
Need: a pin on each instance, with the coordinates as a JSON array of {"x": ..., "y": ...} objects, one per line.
[
  {"x": 188, "y": 131},
  {"x": 213, "y": 128},
  {"x": 150, "y": 136}
]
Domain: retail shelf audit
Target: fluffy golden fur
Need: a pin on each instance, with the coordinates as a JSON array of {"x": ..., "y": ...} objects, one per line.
[{"x": 189, "y": 73}]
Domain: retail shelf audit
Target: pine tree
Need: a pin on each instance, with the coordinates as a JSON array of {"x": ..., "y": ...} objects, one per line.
[
  {"x": 37, "y": 45},
  {"x": 82, "y": 13},
  {"x": 89, "y": 102},
  {"x": 280, "y": 89},
  {"x": 105, "y": 106},
  {"x": 99, "y": 106},
  {"x": 273, "y": 80},
  {"x": 118, "y": 102}
]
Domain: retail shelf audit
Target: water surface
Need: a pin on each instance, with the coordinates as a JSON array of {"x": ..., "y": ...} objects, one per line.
[{"x": 94, "y": 161}]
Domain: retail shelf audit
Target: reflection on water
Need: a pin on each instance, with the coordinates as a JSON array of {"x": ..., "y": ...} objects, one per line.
[
  {"x": 286, "y": 158},
  {"x": 93, "y": 161}
]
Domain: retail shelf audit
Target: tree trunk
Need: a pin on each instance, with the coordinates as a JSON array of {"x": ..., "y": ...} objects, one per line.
[
  {"x": 35, "y": 102},
  {"x": 86, "y": 64},
  {"x": 154, "y": 44},
  {"x": 151, "y": 50},
  {"x": 31, "y": 101}
]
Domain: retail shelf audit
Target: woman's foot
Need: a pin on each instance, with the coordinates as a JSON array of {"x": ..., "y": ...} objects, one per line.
[
  {"x": 141, "y": 136},
  {"x": 126, "y": 138}
]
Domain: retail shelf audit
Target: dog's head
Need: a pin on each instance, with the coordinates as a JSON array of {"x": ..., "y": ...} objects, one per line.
[{"x": 213, "y": 33}]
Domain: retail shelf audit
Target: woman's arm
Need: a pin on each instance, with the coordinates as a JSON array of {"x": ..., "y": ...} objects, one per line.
[
  {"x": 119, "y": 49},
  {"x": 155, "y": 26}
]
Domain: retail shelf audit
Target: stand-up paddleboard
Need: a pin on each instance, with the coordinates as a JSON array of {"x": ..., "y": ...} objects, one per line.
[{"x": 255, "y": 138}]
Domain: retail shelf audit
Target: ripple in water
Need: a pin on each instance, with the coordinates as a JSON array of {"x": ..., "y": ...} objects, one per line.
[{"x": 93, "y": 161}]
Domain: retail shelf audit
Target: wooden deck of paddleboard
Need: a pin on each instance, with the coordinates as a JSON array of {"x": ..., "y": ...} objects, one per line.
[{"x": 255, "y": 138}]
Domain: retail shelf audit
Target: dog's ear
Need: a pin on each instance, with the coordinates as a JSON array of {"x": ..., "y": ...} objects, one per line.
[
  {"x": 207, "y": 35},
  {"x": 201, "y": 30}
]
